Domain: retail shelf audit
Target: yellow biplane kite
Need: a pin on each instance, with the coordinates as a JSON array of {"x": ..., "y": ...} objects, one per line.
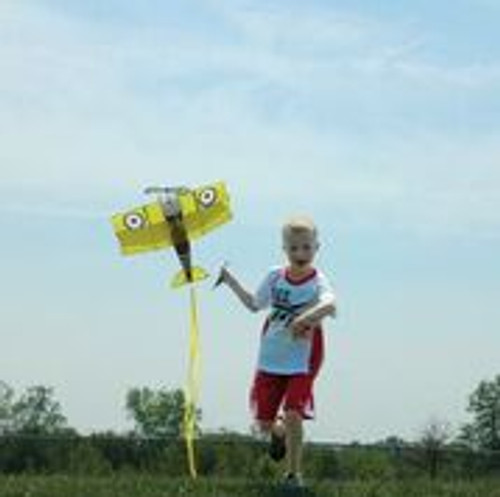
[{"x": 178, "y": 216}]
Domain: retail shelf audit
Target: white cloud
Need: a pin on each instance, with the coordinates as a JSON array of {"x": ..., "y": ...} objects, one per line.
[{"x": 90, "y": 110}]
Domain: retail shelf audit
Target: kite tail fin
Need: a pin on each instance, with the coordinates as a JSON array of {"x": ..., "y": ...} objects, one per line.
[{"x": 181, "y": 278}]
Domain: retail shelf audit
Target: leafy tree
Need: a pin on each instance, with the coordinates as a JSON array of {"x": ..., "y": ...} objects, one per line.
[
  {"x": 6, "y": 399},
  {"x": 157, "y": 413},
  {"x": 38, "y": 413},
  {"x": 484, "y": 405},
  {"x": 433, "y": 441}
]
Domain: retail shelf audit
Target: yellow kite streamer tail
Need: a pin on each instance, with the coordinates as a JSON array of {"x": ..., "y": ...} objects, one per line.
[{"x": 192, "y": 390}]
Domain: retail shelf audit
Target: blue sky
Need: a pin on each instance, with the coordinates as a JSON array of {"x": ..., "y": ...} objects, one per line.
[{"x": 380, "y": 120}]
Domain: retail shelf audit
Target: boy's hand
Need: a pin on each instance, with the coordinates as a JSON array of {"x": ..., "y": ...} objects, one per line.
[
  {"x": 224, "y": 276},
  {"x": 301, "y": 328}
]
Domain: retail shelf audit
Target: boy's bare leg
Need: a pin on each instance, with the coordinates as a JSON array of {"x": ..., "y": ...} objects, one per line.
[
  {"x": 294, "y": 438},
  {"x": 277, "y": 427}
]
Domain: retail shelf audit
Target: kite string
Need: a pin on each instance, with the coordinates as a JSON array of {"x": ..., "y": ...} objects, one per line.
[{"x": 192, "y": 390}]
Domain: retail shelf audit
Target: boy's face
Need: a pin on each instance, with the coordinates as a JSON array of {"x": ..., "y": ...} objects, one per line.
[{"x": 301, "y": 248}]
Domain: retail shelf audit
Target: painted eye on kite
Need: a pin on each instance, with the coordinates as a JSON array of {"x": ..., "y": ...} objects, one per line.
[
  {"x": 207, "y": 197},
  {"x": 134, "y": 221}
]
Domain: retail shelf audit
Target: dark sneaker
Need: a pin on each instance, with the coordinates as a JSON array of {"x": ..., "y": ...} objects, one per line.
[
  {"x": 277, "y": 447},
  {"x": 293, "y": 480}
]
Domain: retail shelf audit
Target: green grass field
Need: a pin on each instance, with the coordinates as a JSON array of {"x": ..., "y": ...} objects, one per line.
[{"x": 144, "y": 486}]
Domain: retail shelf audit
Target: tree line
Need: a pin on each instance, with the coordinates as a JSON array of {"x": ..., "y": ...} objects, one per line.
[{"x": 35, "y": 436}]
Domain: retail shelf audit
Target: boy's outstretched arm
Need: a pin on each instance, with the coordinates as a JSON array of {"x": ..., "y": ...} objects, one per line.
[{"x": 246, "y": 298}]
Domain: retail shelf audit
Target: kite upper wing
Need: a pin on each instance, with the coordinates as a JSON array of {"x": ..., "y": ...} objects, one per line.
[
  {"x": 142, "y": 229},
  {"x": 205, "y": 209},
  {"x": 145, "y": 228}
]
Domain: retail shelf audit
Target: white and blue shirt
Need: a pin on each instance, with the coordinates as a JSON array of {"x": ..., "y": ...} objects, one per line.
[{"x": 280, "y": 352}]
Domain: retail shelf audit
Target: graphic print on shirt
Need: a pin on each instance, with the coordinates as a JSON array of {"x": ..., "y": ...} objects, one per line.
[{"x": 283, "y": 312}]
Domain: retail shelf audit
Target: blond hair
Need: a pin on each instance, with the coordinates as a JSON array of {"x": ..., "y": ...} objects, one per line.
[{"x": 299, "y": 224}]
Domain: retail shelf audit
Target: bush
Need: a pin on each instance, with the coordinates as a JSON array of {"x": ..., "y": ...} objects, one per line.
[
  {"x": 85, "y": 459},
  {"x": 322, "y": 463},
  {"x": 365, "y": 464}
]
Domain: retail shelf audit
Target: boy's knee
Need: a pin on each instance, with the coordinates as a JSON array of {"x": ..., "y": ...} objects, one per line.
[
  {"x": 265, "y": 426},
  {"x": 293, "y": 416}
]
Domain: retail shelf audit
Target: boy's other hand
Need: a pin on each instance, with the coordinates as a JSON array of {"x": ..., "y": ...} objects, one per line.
[{"x": 301, "y": 328}]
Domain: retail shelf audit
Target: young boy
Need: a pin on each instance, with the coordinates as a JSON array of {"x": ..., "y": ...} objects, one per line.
[{"x": 291, "y": 345}]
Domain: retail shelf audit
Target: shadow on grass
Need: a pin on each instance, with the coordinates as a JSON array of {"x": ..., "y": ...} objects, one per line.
[
  {"x": 277, "y": 490},
  {"x": 243, "y": 489}
]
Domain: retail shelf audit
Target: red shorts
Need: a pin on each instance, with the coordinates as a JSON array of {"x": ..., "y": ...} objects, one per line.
[
  {"x": 292, "y": 392},
  {"x": 272, "y": 391}
]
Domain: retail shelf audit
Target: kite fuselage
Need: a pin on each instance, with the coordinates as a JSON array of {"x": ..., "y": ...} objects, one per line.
[
  {"x": 178, "y": 233},
  {"x": 181, "y": 244}
]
